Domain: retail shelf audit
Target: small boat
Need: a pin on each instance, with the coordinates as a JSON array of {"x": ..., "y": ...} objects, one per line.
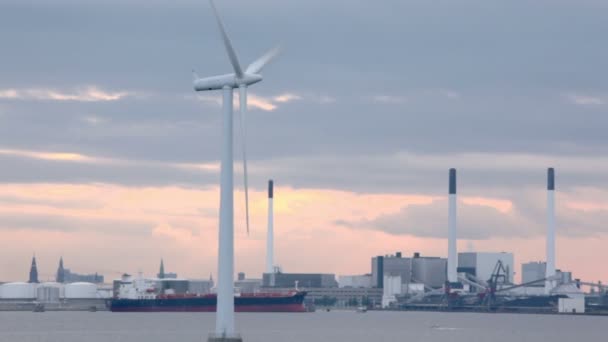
[{"x": 361, "y": 309}]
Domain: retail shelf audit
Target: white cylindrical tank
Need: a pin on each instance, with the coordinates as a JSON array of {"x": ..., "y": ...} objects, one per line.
[
  {"x": 80, "y": 290},
  {"x": 18, "y": 290},
  {"x": 49, "y": 292}
]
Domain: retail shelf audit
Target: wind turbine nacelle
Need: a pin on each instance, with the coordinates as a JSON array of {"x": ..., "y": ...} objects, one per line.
[{"x": 230, "y": 80}]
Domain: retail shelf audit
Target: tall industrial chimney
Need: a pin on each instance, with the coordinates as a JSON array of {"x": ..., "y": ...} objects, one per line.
[
  {"x": 550, "y": 272},
  {"x": 270, "y": 236},
  {"x": 452, "y": 253}
]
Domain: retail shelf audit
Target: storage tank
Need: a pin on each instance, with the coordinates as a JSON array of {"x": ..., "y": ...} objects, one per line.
[
  {"x": 49, "y": 292},
  {"x": 80, "y": 290},
  {"x": 18, "y": 290}
]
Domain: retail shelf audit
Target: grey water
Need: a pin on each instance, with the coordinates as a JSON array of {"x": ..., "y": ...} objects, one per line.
[{"x": 334, "y": 326}]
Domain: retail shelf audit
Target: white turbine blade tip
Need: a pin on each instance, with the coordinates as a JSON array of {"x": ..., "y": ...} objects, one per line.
[
  {"x": 227, "y": 43},
  {"x": 261, "y": 62}
]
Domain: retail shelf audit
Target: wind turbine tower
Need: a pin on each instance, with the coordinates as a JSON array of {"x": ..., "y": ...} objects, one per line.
[{"x": 241, "y": 79}]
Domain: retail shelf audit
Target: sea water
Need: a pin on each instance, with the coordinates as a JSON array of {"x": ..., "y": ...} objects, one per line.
[{"x": 334, "y": 326}]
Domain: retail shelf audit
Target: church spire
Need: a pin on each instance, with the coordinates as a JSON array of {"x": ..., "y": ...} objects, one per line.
[
  {"x": 60, "y": 272},
  {"x": 161, "y": 273},
  {"x": 33, "y": 271}
]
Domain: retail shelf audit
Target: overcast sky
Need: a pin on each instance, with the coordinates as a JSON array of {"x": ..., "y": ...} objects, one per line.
[{"x": 365, "y": 110}]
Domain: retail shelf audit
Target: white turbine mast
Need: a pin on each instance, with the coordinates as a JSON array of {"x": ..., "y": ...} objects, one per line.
[{"x": 224, "y": 329}]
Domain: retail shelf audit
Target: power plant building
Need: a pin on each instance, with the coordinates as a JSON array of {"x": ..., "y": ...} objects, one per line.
[
  {"x": 533, "y": 271},
  {"x": 430, "y": 271},
  {"x": 355, "y": 281},
  {"x": 481, "y": 265}
]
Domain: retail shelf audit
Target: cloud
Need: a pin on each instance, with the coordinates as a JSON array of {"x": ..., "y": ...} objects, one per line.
[
  {"x": 93, "y": 120},
  {"x": 165, "y": 230},
  {"x": 34, "y": 222},
  {"x": 260, "y": 102},
  {"x": 53, "y": 156},
  {"x": 264, "y": 103},
  {"x": 9, "y": 94},
  {"x": 180, "y": 224},
  {"x": 88, "y": 159},
  {"x": 86, "y": 94},
  {"x": 586, "y": 100},
  {"x": 480, "y": 218},
  {"x": 253, "y": 101},
  {"x": 321, "y": 99},
  {"x": 287, "y": 97},
  {"x": 389, "y": 99},
  {"x": 477, "y": 220},
  {"x": 451, "y": 94}
]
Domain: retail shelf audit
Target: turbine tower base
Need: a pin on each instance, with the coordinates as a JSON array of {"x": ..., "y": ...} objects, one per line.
[{"x": 216, "y": 338}]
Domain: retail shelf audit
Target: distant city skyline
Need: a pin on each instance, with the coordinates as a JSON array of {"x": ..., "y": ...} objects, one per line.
[{"x": 111, "y": 160}]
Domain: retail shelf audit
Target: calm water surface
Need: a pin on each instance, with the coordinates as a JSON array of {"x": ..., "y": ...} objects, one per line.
[{"x": 310, "y": 327}]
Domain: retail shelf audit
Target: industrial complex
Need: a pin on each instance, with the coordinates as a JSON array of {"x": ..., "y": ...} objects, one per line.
[{"x": 464, "y": 281}]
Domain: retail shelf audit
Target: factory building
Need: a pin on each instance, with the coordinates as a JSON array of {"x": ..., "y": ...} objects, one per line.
[
  {"x": 301, "y": 280},
  {"x": 378, "y": 272},
  {"x": 533, "y": 271},
  {"x": 200, "y": 286},
  {"x": 481, "y": 265},
  {"x": 355, "y": 281},
  {"x": 244, "y": 285},
  {"x": 430, "y": 271}
]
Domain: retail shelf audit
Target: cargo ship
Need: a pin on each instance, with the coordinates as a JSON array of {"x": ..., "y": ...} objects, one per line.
[
  {"x": 142, "y": 295},
  {"x": 254, "y": 302}
]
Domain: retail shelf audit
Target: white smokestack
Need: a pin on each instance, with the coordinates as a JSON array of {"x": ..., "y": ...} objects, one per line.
[
  {"x": 550, "y": 272},
  {"x": 452, "y": 252},
  {"x": 270, "y": 236}
]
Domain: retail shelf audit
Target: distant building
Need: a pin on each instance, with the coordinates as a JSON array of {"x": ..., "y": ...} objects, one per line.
[
  {"x": 533, "y": 271},
  {"x": 378, "y": 272},
  {"x": 200, "y": 286},
  {"x": 70, "y": 277},
  {"x": 244, "y": 285},
  {"x": 248, "y": 285},
  {"x": 60, "y": 278},
  {"x": 305, "y": 280},
  {"x": 165, "y": 275},
  {"x": 430, "y": 271},
  {"x": 33, "y": 271},
  {"x": 161, "y": 273},
  {"x": 355, "y": 281},
  {"x": 481, "y": 265},
  {"x": 340, "y": 296}
]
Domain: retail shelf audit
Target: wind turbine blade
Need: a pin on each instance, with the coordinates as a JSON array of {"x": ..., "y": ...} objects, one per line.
[
  {"x": 231, "y": 54},
  {"x": 243, "y": 110},
  {"x": 261, "y": 62}
]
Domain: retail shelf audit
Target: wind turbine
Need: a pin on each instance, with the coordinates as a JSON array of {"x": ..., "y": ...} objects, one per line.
[{"x": 224, "y": 328}]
